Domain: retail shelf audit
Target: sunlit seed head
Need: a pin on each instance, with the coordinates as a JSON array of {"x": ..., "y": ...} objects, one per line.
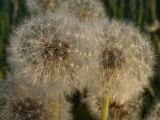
[
  {"x": 30, "y": 103},
  {"x": 48, "y": 54},
  {"x": 41, "y": 6},
  {"x": 126, "y": 60},
  {"x": 85, "y": 10}
]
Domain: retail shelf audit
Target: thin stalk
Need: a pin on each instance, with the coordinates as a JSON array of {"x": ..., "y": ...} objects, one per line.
[
  {"x": 122, "y": 7},
  {"x": 1, "y": 62},
  {"x": 133, "y": 6},
  {"x": 147, "y": 11},
  {"x": 113, "y": 4},
  {"x": 105, "y": 107},
  {"x": 55, "y": 109},
  {"x": 15, "y": 11},
  {"x": 157, "y": 41},
  {"x": 140, "y": 17},
  {"x": 153, "y": 9}
]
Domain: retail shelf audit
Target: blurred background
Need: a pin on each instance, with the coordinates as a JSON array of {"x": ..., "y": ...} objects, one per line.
[{"x": 145, "y": 14}]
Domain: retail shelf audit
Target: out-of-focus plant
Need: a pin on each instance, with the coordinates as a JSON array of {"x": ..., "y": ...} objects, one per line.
[
  {"x": 11, "y": 12},
  {"x": 141, "y": 12}
]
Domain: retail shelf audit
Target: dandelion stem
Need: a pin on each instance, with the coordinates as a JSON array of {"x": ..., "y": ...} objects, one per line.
[
  {"x": 153, "y": 9},
  {"x": 55, "y": 109},
  {"x": 140, "y": 16},
  {"x": 105, "y": 106}
]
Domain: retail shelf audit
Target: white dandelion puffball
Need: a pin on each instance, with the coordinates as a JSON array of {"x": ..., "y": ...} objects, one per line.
[
  {"x": 126, "y": 60},
  {"x": 52, "y": 48},
  {"x": 19, "y": 102},
  {"x": 85, "y": 10},
  {"x": 42, "y": 6}
]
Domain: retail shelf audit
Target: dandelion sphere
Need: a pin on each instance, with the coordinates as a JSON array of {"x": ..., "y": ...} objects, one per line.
[
  {"x": 42, "y": 6},
  {"x": 22, "y": 101},
  {"x": 126, "y": 60},
  {"x": 52, "y": 48},
  {"x": 85, "y": 10}
]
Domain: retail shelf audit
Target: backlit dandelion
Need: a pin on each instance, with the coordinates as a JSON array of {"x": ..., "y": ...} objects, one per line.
[
  {"x": 52, "y": 48},
  {"x": 42, "y": 6},
  {"x": 125, "y": 61},
  {"x": 85, "y": 10},
  {"x": 20, "y": 101}
]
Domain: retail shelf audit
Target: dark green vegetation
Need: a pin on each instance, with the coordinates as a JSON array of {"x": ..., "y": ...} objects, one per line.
[
  {"x": 11, "y": 12},
  {"x": 143, "y": 13}
]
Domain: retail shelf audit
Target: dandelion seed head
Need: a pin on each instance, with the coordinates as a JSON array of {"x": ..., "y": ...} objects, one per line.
[
  {"x": 126, "y": 60},
  {"x": 85, "y": 10},
  {"x": 42, "y": 6},
  {"x": 19, "y": 103},
  {"x": 45, "y": 53}
]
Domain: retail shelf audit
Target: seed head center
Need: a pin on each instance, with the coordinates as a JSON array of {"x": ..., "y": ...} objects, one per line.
[
  {"x": 112, "y": 58},
  {"x": 57, "y": 50}
]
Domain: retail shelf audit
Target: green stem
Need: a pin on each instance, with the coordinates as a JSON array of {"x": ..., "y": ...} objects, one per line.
[
  {"x": 153, "y": 9},
  {"x": 105, "y": 107},
  {"x": 122, "y": 9},
  {"x": 55, "y": 109},
  {"x": 140, "y": 13},
  {"x": 134, "y": 8},
  {"x": 113, "y": 5}
]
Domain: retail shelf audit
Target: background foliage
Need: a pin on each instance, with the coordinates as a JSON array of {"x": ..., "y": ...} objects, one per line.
[{"x": 143, "y": 13}]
